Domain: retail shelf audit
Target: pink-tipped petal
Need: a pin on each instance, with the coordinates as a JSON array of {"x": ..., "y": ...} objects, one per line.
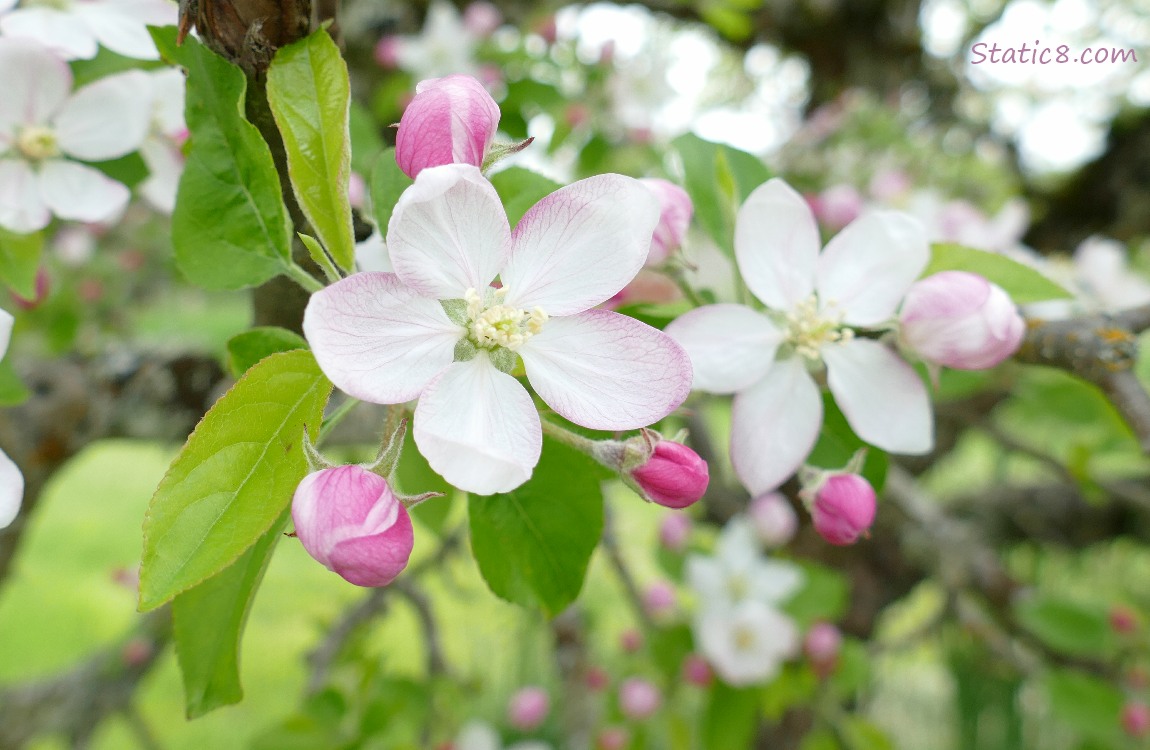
[
  {"x": 11, "y": 490},
  {"x": 675, "y": 211},
  {"x": 478, "y": 428},
  {"x": 731, "y": 346},
  {"x": 106, "y": 119},
  {"x": 607, "y": 371},
  {"x": 36, "y": 84},
  {"x": 777, "y": 245},
  {"x": 882, "y": 397},
  {"x": 376, "y": 339},
  {"x": 451, "y": 120},
  {"x": 375, "y": 560},
  {"x": 60, "y": 33},
  {"x": 165, "y": 164},
  {"x": 22, "y": 208},
  {"x": 867, "y": 268},
  {"x": 774, "y": 425},
  {"x": 448, "y": 233},
  {"x": 81, "y": 193},
  {"x": 580, "y": 245}
]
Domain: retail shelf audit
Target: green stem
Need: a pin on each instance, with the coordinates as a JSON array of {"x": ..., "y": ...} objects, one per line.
[
  {"x": 336, "y": 417},
  {"x": 681, "y": 281},
  {"x": 568, "y": 438},
  {"x": 302, "y": 277}
]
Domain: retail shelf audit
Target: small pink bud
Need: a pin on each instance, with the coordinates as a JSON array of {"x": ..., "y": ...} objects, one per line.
[
  {"x": 131, "y": 260},
  {"x": 630, "y": 640},
  {"x": 90, "y": 290},
  {"x": 890, "y": 185},
  {"x": 676, "y": 210},
  {"x": 639, "y": 698},
  {"x": 136, "y": 652},
  {"x": 528, "y": 708},
  {"x": 1136, "y": 719},
  {"x": 451, "y": 120},
  {"x": 674, "y": 476},
  {"x": 576, "y": 114},
  {"x": 481, "y": 18},
  {"x": 356, "y": 190},
  {"x": 838, "y": 206},
  {"x": 843, "y": 508},
  {"x": 960, "y": 320},
  {"x": 547, "y": 28},
  {"x": 39, "y": 293},
  {"x": 822, "y": 646},
  {"x": 697, "y": 671},
  {"x": 659, "y": 600},
  {"x": 1123, "y": 620},
  {"x": 773, "y": 519},
  {"x": 387, "y": 52},
  {"x": 613, "y": 738},
  {"x": 675, "y": 531},
  {"x": 597, "y": 678},
  {"x": 349, "y": 520},
  {"x": 647, "y": 286}
]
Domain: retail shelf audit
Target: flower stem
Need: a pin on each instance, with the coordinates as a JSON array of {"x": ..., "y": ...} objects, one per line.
[
  {"x": 303, "y": 278},
  {"x": 337, "y": 416},
  {"x": 568, "y": 438}
]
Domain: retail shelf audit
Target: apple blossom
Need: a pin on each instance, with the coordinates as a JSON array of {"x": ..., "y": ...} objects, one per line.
[
  {"x": 815, "y": 301},
  {"x": 349, "y": 520},
  {"x": 43, "y": 130},
  {"x": 528, "y": 708},
  {"x": 73, "y": 29},
  {"x": 842, "y": 506},
  {"x": 960, "y": 320},
  {"x": 443, "y": 47},
  {"x": 676, "y": 210},
  {"x": 639, "y": 698},
  {"x": 659, "y": 599},
  {"x": 162, "y": 149},
  {"x": 451, "y": 120},
  {"x": 1105, "y": 277},
  {"x": 747, "y": 643},
  {"x": 1136, "y": 719},
  {"x": 436, "y": 330},
  {"x": 739, "y": 572},
  {"x": 11, "y": 479},
  {"x": 773, "y": 519},
  {"x": 674, "y": 476},
  {"x": 674, "y": 531}
]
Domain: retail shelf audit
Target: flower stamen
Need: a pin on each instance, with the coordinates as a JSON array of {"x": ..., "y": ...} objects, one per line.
[
  {"x": 493, "y": 324},
  {"x": 810, "y": 328},
  {"x": 37, "y": 143}
]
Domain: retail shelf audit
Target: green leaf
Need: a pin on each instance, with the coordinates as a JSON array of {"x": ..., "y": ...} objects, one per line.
[
  {"x": 730, "y": 717},
  {"x": 669, "y": 646},
  {"x": 233, "y": 477},
  {"x": 1023, "y": 283},
  {"x": 249, "y": 347},
  {"x": 533, "y": 544},
  {"x": 718, "y": 178},
  {"x": 208, "y": 623},
  {"x": 824, "y": 596},
  {"x": 310, "y": 96},
  {"x": 860, "y": 734},
  {"x": 366, "y": 142},
  {"x": 1066, "y": 626},
  {"x": 521, "y": 189},
  {"x": 1084, "y": 703},
  {"x": 20, "y": 260},
  {"x": 12, "y": 389},
  {"x": 387, "y": 183},
  {"x": 230, "y": 229}
]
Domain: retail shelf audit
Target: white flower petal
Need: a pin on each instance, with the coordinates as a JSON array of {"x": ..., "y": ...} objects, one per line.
[
  {"x": 580, "y": 245},
  {"x": 777, "y": 245},
  {"x": 61, "y": 33},
  {"x": 121, "y": 25},
  {"x": 165, "y": 165},
  {"x": 79, "y": 192},
  {"x": 774, "y": 425},
  {"x": 169, "y": 86},
  {"x": 449, "y": 232},
  {"x": 731, "y": 346},
  {"x": 36, "y": 84},
  {"x": 478, "y": 428},
  {"x": 775, "y": 581},
  {"x": 376, "y": 339},
  {"x": 106, "y": 119},
  {"x": 11, "y": 490},
  {"x": 748, "y": 644},
  {"x": 882, "y": 397},
  {"x": 607, "y": 371},
  {"x": 371, "y": 254},
  {"x": 22, "y": 208},
  {"x": 867, "y": 268},
  {"x": 6, "y": 323}
]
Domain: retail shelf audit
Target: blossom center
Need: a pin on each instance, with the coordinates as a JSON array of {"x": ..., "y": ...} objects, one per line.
[
  {"x": 37, "y": 142},
  {"x": 744, "y": 638},
  {"x": 810, "y": 327},
  {"x": 493, "y": 324},
  {"x": 737, "y": 587}
]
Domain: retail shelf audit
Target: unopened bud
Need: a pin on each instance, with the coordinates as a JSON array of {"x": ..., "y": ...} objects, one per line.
[
  {"x": 451, "y": 120},
  {"x": 528, "y": 708},
  {"x": 675, "y": 214},
  {"x": 630, "y": 640},
  {"x": 1123, "y": 620},
  {"x": 639, "y": 698},
  {"x": 773, "y": 519},
  {"x": 1136, "y": 719},
  {"x": 837, "y": 206},
  {"x": 697, "y": 671},
  {"x": 674, "y": 476},
  {"x": 675, "y": 531},
  {"x": 842, "y": 507},
  {"x": 613, "y": 738},
  {"x": 659, "y": 600},
  {"x": 822, "y": 646}
]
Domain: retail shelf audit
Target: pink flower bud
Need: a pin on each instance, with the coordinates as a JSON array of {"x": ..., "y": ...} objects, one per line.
[
  {"x": 822, "y": 646},
  {"x": 482, "y": 18},
  {"x": 631, "y": 640},
  {"x": 639, "y": 698},
  {"x": 1136, "y": 719},
  {"x": 843, "y": 508},
  {"x": 597, "y": 678},
  {"x": 349, "y": 520},
  {"x": 137, "y": 652},
  {"x": 773, "y": 519},
  {"x": 676, "y": 210},
  {"x": 528, "y": 708},
  {"x": 837, "y": 206},
  {"x": 613, "y": 738},
  {"x": 387, "y": 52},
  {"x": 1123, "y": 620},
  {"x": 674, "y": 531},
  {"x": 960, "y": 320},
  {"x": 659, "y": 599},
  {"x": 890, "y": 185},
  {"x": 451, "y": 120},
  {"x": 674, "y": 476},
  {"x": 697, "y": 671},
  {"x": 356, "y": 190}
]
